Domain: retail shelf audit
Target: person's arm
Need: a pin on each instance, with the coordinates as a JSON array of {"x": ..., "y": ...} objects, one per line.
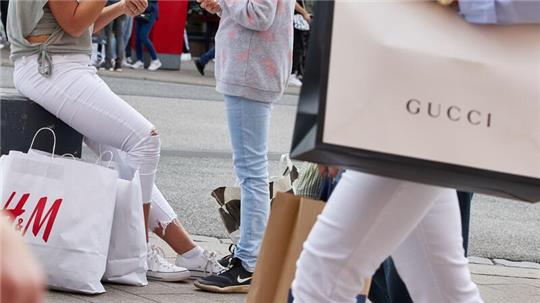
[
  {"x": 21, "y": 278},
  {"x": 256, "y": 15},
  {"x": 75, "y": 17},
  {"x": 111, "y": 12},
  {"x": 500, "y": 11},
  {"x": 303, "y": 12}
]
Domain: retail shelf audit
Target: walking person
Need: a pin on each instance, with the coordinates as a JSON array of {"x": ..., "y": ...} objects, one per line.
[
  {"x": 115, "y": 31},
  {"x": 251, "y": 76},
  {"x": 301, "y": 37},
  {"x": 204, "y": 59},
  {"x": 143, "y": 26},
  {"x": 51, "y": 49}
]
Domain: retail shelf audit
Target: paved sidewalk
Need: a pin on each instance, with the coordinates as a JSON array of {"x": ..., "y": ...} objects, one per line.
[{"x": 500, "y": 281}]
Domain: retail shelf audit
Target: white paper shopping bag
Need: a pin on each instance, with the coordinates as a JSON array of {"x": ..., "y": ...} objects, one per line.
[
  {"x": 64, "y": 209},
  {"x": 126, "y": 262}
]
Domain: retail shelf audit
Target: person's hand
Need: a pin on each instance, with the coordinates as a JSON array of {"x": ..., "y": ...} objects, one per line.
[
  {"x": 307, "y": 16},
  {"x": 135, "y": 7},
  {"x": 211, "y": 6},
  {"x": 330, "y": 171},
  {"x": 21, "y": 279}
]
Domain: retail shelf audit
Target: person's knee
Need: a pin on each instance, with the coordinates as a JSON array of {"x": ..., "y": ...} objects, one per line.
[{"x": 148, "y": 149}]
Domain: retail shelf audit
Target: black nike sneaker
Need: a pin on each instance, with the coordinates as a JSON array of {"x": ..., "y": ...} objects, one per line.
[
  {"x": 235, "y": 279},
  {"x": 225, "y": 261}
]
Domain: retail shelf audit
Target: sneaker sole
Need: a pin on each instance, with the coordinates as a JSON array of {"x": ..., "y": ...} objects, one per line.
[
  {"x": 169, "y": 277},
  {"x": 238, "y": 289}
]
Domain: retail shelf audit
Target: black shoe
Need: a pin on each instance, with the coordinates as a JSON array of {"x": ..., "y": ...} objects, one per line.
[
  {"x": 235, "y": 279},
  {"x": 106, "y": 65},
  {"x": 200, "y": 67},
  {"x": 225, "y": 261},
  {"x": 118, "y": 66}
]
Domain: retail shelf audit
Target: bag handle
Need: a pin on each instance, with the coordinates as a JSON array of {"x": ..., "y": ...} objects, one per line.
[
  {"x": 54, "y": 139},
  {"x": 100, "y": 158},
  {"x": 69, "y": 156}
]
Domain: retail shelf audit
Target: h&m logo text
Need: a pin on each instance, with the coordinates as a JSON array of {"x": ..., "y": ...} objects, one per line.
[
  {"x": 36, "y": 219},
  {"x": 453, "y": 113}
]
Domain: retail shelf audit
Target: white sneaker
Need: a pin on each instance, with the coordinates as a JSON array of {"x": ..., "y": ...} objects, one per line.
[
  {"x": 204, "y": 265},
  {"x": 185, "y": 57},
  {"x": 161, "y": 269},
  {"x": 137, "y": 65},
  {"x": 154, "y": 65},
  {"x": 293, "y": 80}
]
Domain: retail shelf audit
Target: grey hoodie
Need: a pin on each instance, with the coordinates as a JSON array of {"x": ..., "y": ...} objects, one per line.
[{"x": 254, "y": 48}]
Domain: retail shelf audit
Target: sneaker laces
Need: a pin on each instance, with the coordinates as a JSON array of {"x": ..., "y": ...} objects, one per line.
[
  {"x": 212, "y": 263},
  {"x": 159, "y": 254}
]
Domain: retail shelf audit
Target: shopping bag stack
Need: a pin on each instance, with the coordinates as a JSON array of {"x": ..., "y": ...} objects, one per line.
[
  {"x": 65, "y": 208},
  {"x": 229, "y": 198}
]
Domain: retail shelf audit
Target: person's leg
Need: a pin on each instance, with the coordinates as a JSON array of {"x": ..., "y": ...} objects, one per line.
[
  {"x": 206, "y": 57},
  {"x": 108, "y": 30},
  {"x": 4, "y": 11},
  {"x": 396, "y": 289},
  {"x": 118, "y": 29},
  {"x": 76, "y": 95},
  {"x": 145, "y": 36},
  {"x": 431, "y": 260},
  {"x": 465, "y": 199},
  {"x": 365, "y": 220},
  {"x": 140, "y": 30},
  {"x": 248, "y": 123},
  {"x": 297, "y": 51},
  {"x": 128, "y": 30}
]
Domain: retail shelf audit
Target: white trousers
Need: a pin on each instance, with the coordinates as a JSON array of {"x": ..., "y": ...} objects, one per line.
[
  {"x": 76, "y": 95},
  {"x": 369, "y": 218}
]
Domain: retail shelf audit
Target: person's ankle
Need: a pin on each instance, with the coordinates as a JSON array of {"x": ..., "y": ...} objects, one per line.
[{"x": 194, "y": 252}]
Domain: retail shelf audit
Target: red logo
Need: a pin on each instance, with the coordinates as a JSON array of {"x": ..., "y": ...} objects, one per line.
[{"x": 36, "y": 219}]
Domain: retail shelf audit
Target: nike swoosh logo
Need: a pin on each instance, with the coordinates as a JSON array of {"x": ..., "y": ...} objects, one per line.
[{"x": 240, "y": 280}]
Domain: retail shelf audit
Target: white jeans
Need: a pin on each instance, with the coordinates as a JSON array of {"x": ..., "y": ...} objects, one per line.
[
  {"x": 369, "y": 218},
  {"x": 161, "y": 212},
  {"x": 76, "y": 95}
]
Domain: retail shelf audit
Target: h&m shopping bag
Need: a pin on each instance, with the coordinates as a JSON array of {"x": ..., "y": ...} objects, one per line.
[
  {"x": 229, "y": 198},
  {"x": 64, "y": 210},
  {"x": 126, "y": 261},
  {"x": 428, "y": 97},
  {"x": 291, "y": 220}
]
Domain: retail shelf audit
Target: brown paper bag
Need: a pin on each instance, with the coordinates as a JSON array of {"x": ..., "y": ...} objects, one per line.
[{"x": 290, "y": 222}]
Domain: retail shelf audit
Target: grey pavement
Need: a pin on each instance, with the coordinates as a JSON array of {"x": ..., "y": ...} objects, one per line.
[{"x": 196, "y": 159}]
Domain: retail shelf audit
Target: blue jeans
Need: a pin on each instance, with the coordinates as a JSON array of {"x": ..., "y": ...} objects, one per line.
[
  {"x": 209, "y": 55},
  {"x": 143, "y": 37},
  {"x": 128, "y": 28},
  {"x": 249, "y": 122}
]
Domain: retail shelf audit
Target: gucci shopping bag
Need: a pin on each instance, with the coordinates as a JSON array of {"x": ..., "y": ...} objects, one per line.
[
  {"x": 64, "y": 210},
  {"x": 415, "y": 92},
  {"x": 290, "y": 222},
  {"x": 229, "y": 198}
]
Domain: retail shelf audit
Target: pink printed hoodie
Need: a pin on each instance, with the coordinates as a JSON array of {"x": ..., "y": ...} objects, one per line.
[{"x": 254, "y": 48}]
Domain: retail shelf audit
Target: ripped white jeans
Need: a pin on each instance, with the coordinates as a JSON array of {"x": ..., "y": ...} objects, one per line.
[
  {"x": 76, "y": 95},
  {"x": 161, "y": 212}
]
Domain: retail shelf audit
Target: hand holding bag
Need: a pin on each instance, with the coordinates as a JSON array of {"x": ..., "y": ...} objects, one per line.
[{"x": 423, "y": 85}]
